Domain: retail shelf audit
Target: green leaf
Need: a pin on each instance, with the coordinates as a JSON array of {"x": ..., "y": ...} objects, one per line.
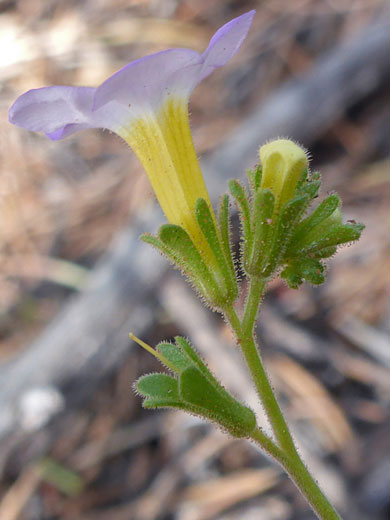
[
  {"x": 160, "y": 390},
  {"x": 312, "y": 270},
  {"x": 341, "y": 234},
  {"x": 152, "y": 403},
  {"x": 292, "y": 276},
  {"x": 194, "y": 357},
  {"x": 196, "y": 391},
  {"x": 322, "y": 212},
  {"x": 209, "y": 230},
  {"x": 224, "y": 230},
  {"x": 175, "y": 355},
  {"x": 209, "y": 381},
  {"x": 158, "y": 385},
  {"x": 218, "y": 406},
  {"x": 326, "y": 252}
]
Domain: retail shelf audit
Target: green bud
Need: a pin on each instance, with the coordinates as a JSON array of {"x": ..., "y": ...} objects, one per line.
[{"x": 276, "y": 233}]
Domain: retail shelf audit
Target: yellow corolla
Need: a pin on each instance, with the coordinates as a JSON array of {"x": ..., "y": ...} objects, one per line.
[
  {"x": 163, "y": 144},
  {"x": 283, "y": 163}
]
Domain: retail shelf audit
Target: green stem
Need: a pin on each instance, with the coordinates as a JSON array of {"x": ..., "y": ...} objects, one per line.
[
  {"x": 304, "y": 481},
  {"x": 245, "y": 337},
  {"x": 268, "y": 445},
  {"x": 287, "y": 456}
]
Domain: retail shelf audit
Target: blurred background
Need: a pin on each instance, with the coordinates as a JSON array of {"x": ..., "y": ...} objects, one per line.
[{"x": 74, "y": 278}]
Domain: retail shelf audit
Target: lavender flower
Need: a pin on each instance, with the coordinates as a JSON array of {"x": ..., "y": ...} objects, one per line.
[{"x": 146, "y": 103}]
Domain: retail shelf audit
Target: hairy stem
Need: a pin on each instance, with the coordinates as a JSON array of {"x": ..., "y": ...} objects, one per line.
[
  {"x": 286, "y": 454},
  {"x": 244, "y": 331}
]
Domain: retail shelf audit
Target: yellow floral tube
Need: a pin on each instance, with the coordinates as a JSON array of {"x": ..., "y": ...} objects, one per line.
[{"x": 163, "y": 143}]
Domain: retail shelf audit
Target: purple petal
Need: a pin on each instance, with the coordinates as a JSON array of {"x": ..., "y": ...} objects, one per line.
[
  {"x": 226, "y": 42},
  {"x": 146, "y": 82},
  {"x": 139, "y": 88},
  {"x": 61, "y": 111}
]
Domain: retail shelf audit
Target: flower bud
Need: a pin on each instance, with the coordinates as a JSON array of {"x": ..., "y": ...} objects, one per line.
[{"x": 283, "y": 164}]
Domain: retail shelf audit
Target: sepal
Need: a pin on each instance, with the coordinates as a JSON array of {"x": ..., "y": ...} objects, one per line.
[
  {"x": 241, "y": 197},
  {"x": 341, "y": 234},
  {"x": 211, "y": 272},
  {"x": 263, "y": 208},
  {"x": 254, "y": 177},
  {"x": 224, "y": 230},
  {"x": 176, "y": 244},
  {"x": 282, "y": 231},
  {"x": 310, "y": 227},
  {"x": 224, "y": 268},
  {"x": 308, "y": 269},
  {"x": 309, "y": 184},
  {"x": 315, "y": 238}
]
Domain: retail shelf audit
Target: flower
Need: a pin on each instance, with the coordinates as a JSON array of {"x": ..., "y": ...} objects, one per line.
[
  {"x": 146, "y": 103},
  {"x": 283, "y": 163}
]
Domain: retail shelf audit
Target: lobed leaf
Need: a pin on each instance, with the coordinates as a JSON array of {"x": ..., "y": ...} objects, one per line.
[
  {"x": 339, "y": 234},
  {"x": 175, "y": 355},
  {"x": 321, "y": 213},
  {"x": 160, "y": 390},
  {"x": 218, "y": 406}
]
